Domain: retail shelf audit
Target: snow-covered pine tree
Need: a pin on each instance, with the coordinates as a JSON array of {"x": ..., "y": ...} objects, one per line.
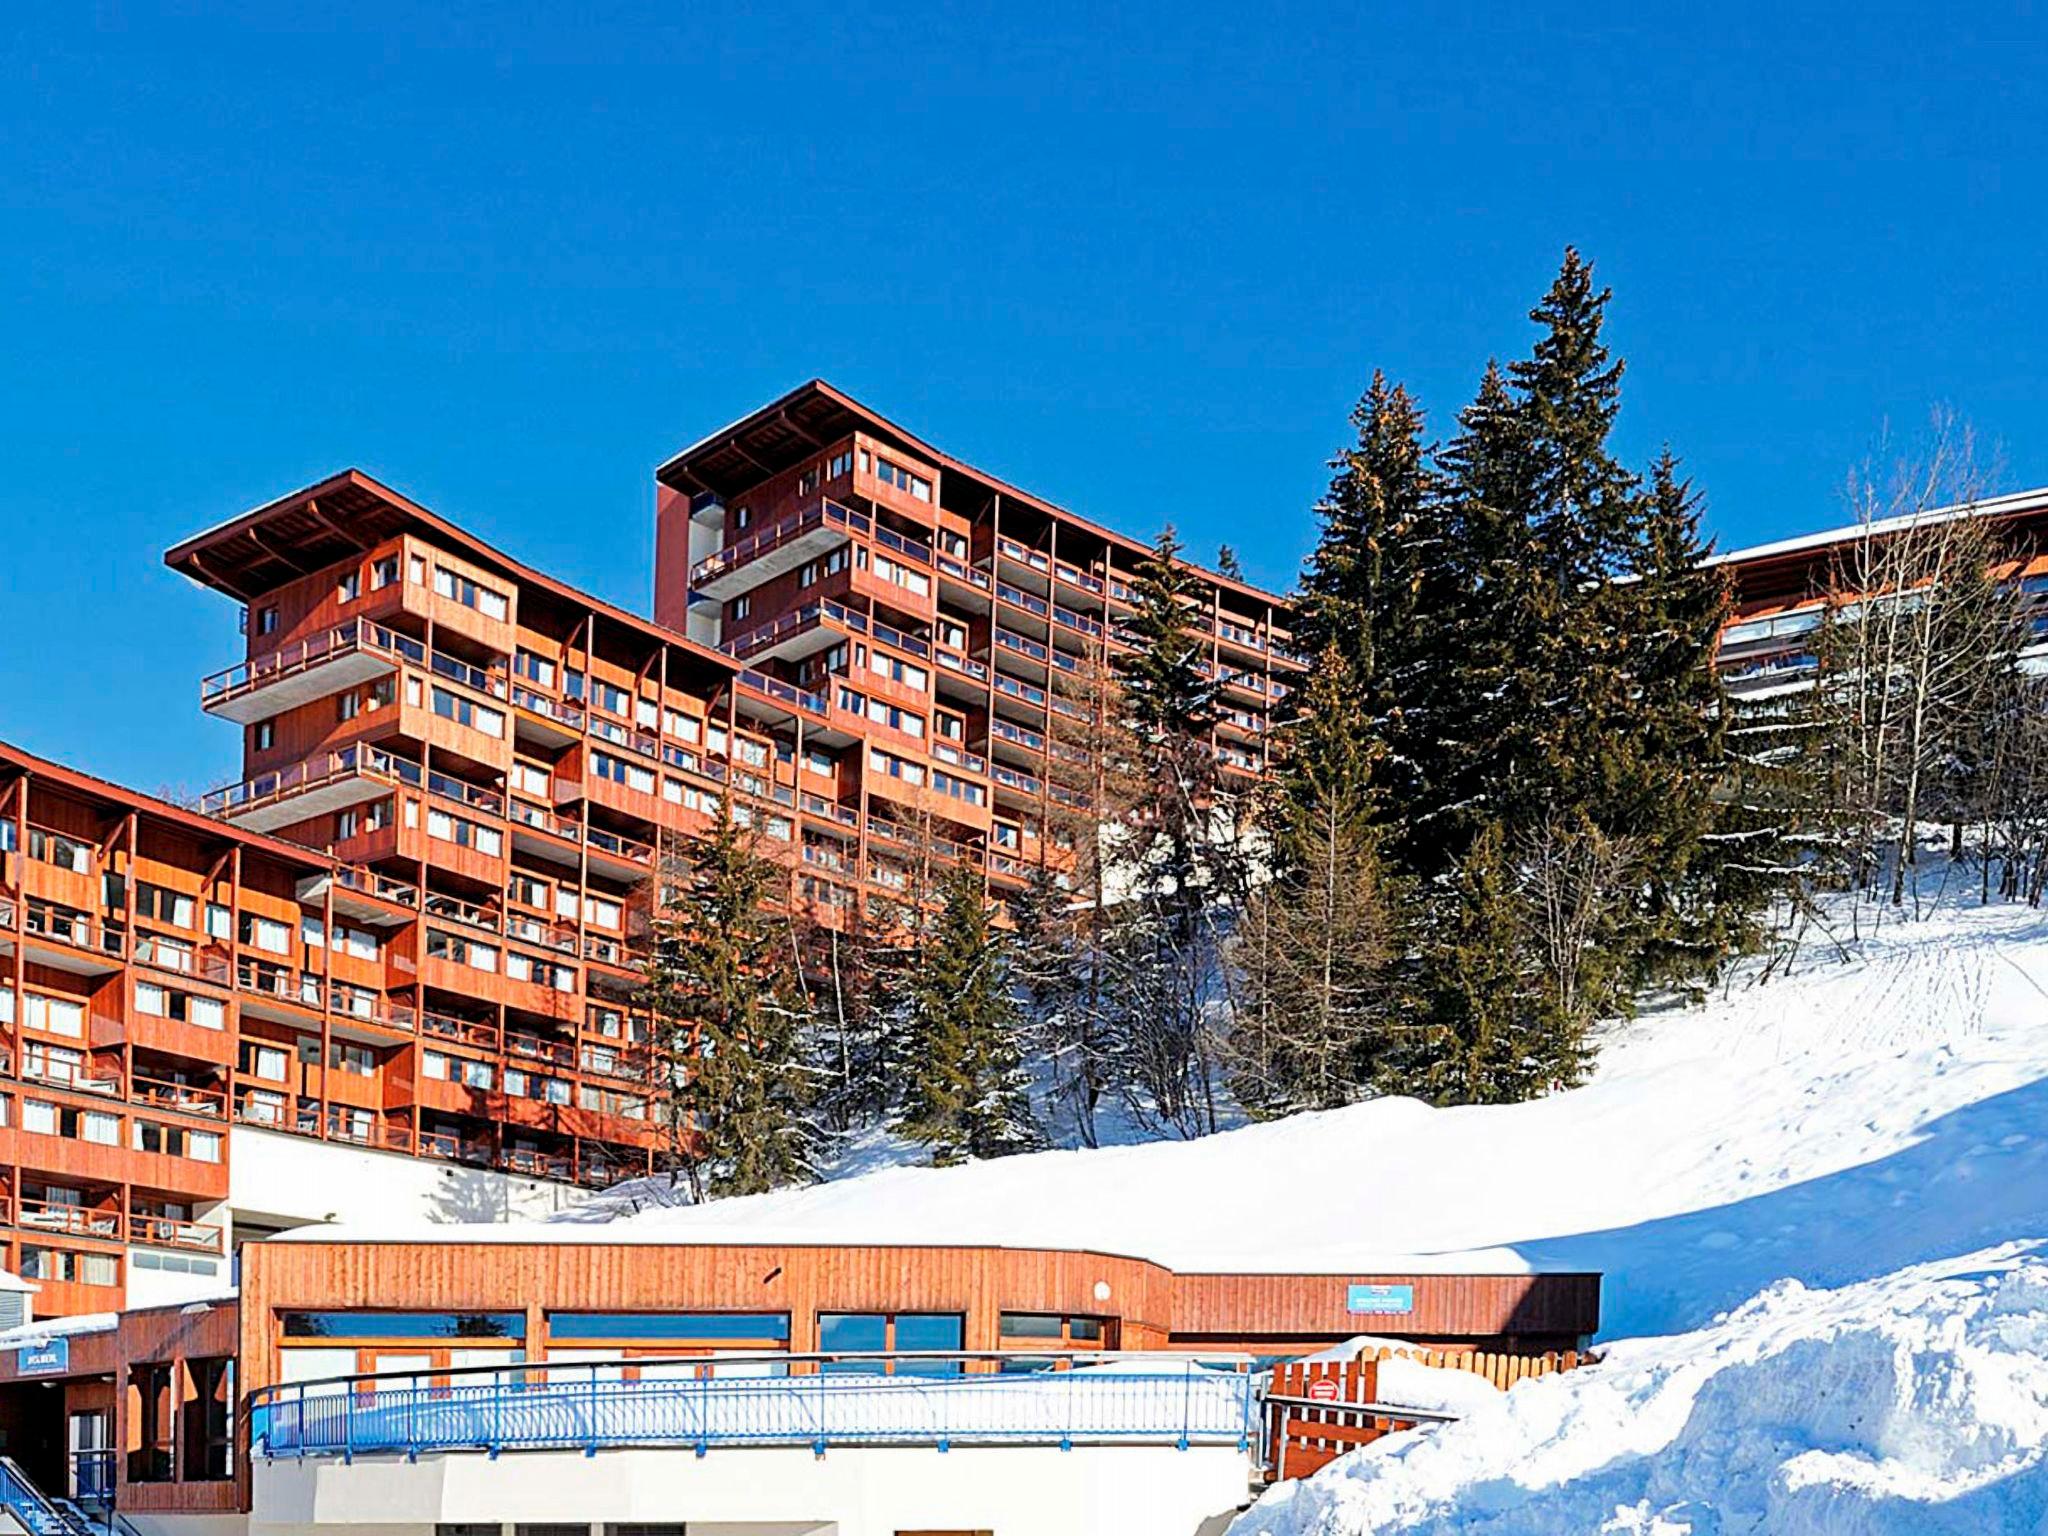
[{"x": 730, "y": 1012}]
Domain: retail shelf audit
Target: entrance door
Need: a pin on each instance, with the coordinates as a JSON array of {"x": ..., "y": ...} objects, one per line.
[{"x": 90, "y": 1439}]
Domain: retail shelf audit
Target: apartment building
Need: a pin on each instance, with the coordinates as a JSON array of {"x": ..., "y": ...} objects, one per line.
[
  {"x": 934, "y": 635},
  {"x": 396, "y": 958},
  {"x": 1781, "y": 589}
]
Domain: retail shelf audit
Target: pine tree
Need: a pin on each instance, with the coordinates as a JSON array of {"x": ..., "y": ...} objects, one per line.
[
  {"x": 1226, "y": 563},
  {"x": 964, "y": 1091},
  {"x": 1316, "y": 989},
  {"x": 1182, "y": 855},
  {"x": 729, "y": 1008}
]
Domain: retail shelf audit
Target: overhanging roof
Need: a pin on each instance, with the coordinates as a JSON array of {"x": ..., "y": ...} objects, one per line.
[
  {"x": 814, "y": 415},
  {"x": 349, "y": 513}
]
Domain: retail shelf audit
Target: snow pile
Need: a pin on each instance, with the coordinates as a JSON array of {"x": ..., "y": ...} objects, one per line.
[
  {"x": 1831, "y": 1125},
  {"x": 1912, "y": 1405}
]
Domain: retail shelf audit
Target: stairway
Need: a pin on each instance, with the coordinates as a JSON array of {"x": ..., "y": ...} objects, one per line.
[{"x": 40, "y": 1515}]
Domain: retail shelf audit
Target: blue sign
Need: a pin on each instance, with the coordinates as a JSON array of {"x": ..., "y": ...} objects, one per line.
[
  {"x": 52, "y": 1357},
  {"x": 1379, "y": 1298}
]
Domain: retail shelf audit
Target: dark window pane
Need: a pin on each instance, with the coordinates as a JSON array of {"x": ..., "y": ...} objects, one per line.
[
  {"x": 1030, "y": 1325},
  {"x": 405, "y": 1325},
  {"x": 680, "y": 1327}
]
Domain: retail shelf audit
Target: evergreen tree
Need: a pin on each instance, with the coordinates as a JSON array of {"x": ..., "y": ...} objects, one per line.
[
  {"x": 1181, "y": 856},
  {"x": 729, "y": 1008},
  {"x": 964, "y": 1091},
  {"x": 1362, "y": 589},
  {"x": 1226, "y": 563},
  {"x": 1316, "y": 954}
]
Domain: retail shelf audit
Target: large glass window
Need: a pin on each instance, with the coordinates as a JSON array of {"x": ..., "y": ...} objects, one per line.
[
  {"x": 765, "y": 1328},
  {"x": 890, "y": 1333},
  {"x": 405, "y": 1325}
]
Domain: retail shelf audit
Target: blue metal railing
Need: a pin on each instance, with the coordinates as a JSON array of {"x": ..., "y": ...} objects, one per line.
[{"x": 937, "y": 1399}]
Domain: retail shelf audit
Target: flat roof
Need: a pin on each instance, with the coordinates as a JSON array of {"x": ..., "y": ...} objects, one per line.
[{"x": 2015, "y": 504}]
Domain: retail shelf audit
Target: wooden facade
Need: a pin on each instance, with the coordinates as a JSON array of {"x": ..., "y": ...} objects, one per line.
[{"x": 1127, "y": 1303}]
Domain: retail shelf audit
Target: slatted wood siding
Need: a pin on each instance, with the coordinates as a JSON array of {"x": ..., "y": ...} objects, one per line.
[
  {"x": 1301, "y": 1439},
  {"x": 1502, "y": 1370}
]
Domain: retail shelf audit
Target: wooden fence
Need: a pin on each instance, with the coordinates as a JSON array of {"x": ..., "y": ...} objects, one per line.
[{"x": 1318, "y": 1410}]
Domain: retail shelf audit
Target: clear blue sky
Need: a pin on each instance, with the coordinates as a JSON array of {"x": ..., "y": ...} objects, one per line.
[{"x": 1138, "y": 258}]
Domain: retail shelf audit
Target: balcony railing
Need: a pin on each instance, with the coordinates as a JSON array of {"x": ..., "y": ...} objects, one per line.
[
  {"x": 186, "y": 1098},
  {"x": 175, "y": 1232},
  {"x": 356, "y": 635},
  {"x": 70, "y": 1220},
  {"x": 323, "y": 768},
  {"x": 827, "y": 514},
  {"x": 937, "y": 1399}
]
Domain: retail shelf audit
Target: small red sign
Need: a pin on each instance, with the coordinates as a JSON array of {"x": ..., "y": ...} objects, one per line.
[{"x": 1323, "y": 1389}]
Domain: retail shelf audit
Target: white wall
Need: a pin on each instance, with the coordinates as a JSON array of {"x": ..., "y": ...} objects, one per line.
[
  {"x": 1102, "y": 1490},
  {"x": 274, "y": 1177}
]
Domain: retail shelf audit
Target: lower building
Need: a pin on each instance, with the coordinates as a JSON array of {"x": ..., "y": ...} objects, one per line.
[{"x": 493, "y": 1380}]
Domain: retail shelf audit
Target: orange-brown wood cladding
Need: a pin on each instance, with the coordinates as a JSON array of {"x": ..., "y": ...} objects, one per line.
[
  {"x": 1156, "y": 1307},
  {"x": 178, "y": 1333},
  {"x": 1446, "y": 1306}
]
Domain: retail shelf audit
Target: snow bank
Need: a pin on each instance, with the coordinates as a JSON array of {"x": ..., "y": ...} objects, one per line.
[
  {"x": 1832, "y": 1125},
  {"x": 1911, "y": 1405}
]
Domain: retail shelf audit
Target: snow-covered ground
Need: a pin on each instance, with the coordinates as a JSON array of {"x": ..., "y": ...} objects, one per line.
[
  {"x": 1820, "y": 1203},
  {"x": 1911, "y": 1405},
  {"x": 1829, "y": 1126}
]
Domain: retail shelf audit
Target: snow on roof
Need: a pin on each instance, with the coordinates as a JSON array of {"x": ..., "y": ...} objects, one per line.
[
  {"x": 1992, "y": 506},
  {"x": 10, "y": 1281},
  {"x": 48, "y": 1328}
]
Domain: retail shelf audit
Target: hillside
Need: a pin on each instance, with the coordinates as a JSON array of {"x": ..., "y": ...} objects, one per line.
[{"x": 1835, "y": 1124}]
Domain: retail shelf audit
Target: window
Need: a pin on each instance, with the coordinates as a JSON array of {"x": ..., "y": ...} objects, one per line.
[
  {"x": 742, "y": 606},
  {"x": 163, "y": 1003},
  {"x": 841, "y": 464},
  {"x": 896, "y": 475},
  {"x": 535, "y": 668},
  {"x": 266, "y": 934},
  {"x": 64, "y": 852},
  {"x": 895, "y": 767},
  {"x": 61, "y": 1264},
  {"x": 807, "y": 482},
  {"x": 903, "y": 576},
  {"x": 882, "y": 712},
  {"x": 619, "y": 771},
  {"x": 478, "y": 717},
  {"x": 350, "y": 587},
  {"x": 347, "y": 704},
  {"x": 681, "y": 726},
  {"x": 159, "y": 905},
  {"x": 909, "y": 675},
  {"x": 265, "y": 735},
  {"x": 816, "y": 761},
  {"x": 177, "y": 1141},
  {"x": 769, "y": 1330},
  {"x": 54, "y": 1015},
  {"x": 890, "y": 1333},
  {"x": 383, "y": 572},
  {"x": 264, "y": 1061},
  {"x": 347, "y": 1056},
  {"x": 209, "y": 1419},
  {"x": 488, "y": 841},
  {"x": 461, "y": 951},
  {"x": 217, "y": 921},
  {"x": 266, "y": 621},
  {"x": 741, "y": 516},
  {"x": 459, "y": 588},
  {"x": 531, "y": 779}
]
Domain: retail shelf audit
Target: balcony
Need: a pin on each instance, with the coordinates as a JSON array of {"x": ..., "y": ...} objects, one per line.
[
  {"x": 815, "y": 627},
  {"x": 343, "y": 657},
  {"x": 776, "y": 550},
  {"x": 320, "y": 786}
]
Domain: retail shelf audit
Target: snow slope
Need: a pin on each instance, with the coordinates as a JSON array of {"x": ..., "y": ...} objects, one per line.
[
  {"x": 1832, "y": 1125},
  {"x": 1912, "y": 1405}
]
